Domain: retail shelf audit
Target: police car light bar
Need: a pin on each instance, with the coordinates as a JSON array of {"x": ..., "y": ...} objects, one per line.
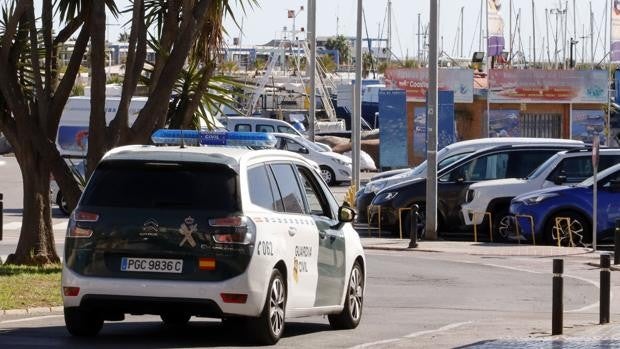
[{"x": 193, "y": 137}]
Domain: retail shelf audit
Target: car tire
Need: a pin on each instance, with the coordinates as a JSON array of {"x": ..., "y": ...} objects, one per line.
[
  {"x": 503, "y": 225},
  {"x": 580, "y": 228},
  {"x": 175, "y": 319},
  {"x": 82, "y": 323},
  {"x": 62, "y": 204},
  {"x": 351, "y": 314},
  {"x": 269, "y": 326},
  {"x": 328, "y": 175}
]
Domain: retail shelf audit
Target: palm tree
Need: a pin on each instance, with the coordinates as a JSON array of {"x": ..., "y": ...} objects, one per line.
[
  {"x": 123, "y": 37},
  {"x": 32, "y": 97},
  {"x": 341, "y": 44}
]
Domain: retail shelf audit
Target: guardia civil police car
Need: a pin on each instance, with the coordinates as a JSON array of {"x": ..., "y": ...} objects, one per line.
[{"x": 249, "y": 236}]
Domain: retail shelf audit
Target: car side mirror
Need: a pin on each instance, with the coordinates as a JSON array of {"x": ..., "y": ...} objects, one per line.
[
  {"x": 303, "y": 151},
  {"x": 346, "y": 214},
  {"x": 559, "y": 180}
]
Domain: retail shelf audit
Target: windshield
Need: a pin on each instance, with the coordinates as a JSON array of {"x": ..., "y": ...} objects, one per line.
[
  {"x": 311, "y": 145},
  {"x": 175, "y": 185},
  {"x": 542, "y": 168},
  {"x": 601, "y": 176},
  {"x": 421, "y": 168}
]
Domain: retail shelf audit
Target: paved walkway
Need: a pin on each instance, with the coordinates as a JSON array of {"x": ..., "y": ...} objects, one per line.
[{"x": 472, "y": 248}]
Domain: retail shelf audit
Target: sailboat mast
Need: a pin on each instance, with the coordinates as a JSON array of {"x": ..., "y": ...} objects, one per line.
[
  {"x": 480, "y": 40},
  {"x": 389, "y": 31},
  {"x": 510, "y": 33},
  {"x": 534, "y": 32},
  {"x": 419, "y": 53},
  {"x": 462, "y": 30},
  {"x": 591, "y": 35},
  {"x": 548, "y": 37}
]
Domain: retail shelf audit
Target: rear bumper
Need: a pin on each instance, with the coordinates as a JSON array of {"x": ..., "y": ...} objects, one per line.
[
  {"x": 150, "y": 305},
  {"x": 156, "y": 296}
]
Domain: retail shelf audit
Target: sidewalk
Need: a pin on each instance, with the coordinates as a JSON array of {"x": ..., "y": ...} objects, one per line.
[
  {"x": 472, "y": 248},
  {"x": 372, "y": 240}
]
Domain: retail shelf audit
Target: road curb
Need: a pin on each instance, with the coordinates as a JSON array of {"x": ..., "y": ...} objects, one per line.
[
  {"x": 477, "y": 253},
  {"x": 31, "y": 311}
]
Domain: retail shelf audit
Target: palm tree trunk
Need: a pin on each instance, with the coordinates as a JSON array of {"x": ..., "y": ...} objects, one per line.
[
  {"x": 97, "y": 127},
  {"x": 36, "y": 239}
]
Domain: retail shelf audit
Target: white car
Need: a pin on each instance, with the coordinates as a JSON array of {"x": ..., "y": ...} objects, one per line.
[
  {"x": 253, "y": 237},
  {"x": 566, "y": 167},
  {"x": 334, "y": 167}
]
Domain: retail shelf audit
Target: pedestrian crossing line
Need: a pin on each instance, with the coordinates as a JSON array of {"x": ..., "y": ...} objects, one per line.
[
  {"x": 60, "y": 226},
  {"x": 12, "y": 226},
  {"x": 18, "y": 226}
]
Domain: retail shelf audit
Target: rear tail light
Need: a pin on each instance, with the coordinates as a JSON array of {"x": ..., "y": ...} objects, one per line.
[
  {"x": 71, "y": 291},
  {"x": 232, "y": 230},
  {"x": 74, "y": 231},
  {"x": 239, "y": 298},
  {"x": 83, "y": 216}
]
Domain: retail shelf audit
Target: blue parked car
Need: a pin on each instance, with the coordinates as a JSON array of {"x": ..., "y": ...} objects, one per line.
[{"x": 574, "y": 203}]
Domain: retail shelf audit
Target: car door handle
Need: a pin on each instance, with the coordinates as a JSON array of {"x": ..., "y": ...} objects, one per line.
[{"x": 292, "y": 231}]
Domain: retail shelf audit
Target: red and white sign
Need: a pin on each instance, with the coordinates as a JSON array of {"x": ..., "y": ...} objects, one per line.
[
  {"x": 548, "y": 86},
  {"x": 415, "y": 82}
]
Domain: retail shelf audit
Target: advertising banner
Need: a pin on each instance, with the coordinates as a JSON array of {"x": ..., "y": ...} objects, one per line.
[
  {"x": 445, "y": 123},
  {"x": 419, "y": 132},
  {"x": 615, "y": 31},
  {"x": 548, "y": 86},
  {"x": 585, "y": 124},
  {"x": 415, "y": 82},
  {"x": 393, "y": 132},
  {"x": 504, "y": 123},
  {"x": 495, "y": 24},
  {"x": 72, "y": 140}
]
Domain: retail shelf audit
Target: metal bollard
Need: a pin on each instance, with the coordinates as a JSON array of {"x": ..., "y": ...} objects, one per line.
[
  {"x": 557, "y": 308},
  {"x": 617, "y": 243},
  {"x": 1, "y": 214},
  {"x": 413, "y": 233},
  {"x": 605, "y": 294}
]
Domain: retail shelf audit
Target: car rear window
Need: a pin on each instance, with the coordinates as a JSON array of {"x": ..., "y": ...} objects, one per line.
[{"x": 143, "y": 184}]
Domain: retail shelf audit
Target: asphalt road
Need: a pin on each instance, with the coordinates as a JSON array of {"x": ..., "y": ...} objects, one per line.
[{"x": 412, "y": 300}]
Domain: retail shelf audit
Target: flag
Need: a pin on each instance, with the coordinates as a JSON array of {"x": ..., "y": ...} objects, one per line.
[
  {"x": 291, "y": 13},
  {"x": 495, "y": 28},
  {"x": 615, "y": 31}
]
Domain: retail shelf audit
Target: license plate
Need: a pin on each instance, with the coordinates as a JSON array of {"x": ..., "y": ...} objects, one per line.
[{"x": 152, "y": 265}]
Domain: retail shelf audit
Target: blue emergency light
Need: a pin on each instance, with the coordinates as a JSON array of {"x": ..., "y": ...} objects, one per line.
[{"x": 226, "y": 138}]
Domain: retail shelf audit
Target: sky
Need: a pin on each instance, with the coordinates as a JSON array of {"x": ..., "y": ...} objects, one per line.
[
  {"x": 339, "y": 16},
  {"x": 266, "y": 22}
]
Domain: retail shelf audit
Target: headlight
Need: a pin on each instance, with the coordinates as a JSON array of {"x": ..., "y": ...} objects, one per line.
[
  {"x": 341, "y": 162},
  {"x": 387, "y": 196},
  {"x": 532, "y": 200},
  {"x": 374, "y": 187}
]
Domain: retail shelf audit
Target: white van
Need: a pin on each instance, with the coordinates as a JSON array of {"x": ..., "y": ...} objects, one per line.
[
  {"x": 257, "y": 124},
  {"x": 72, "y": 135}
]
